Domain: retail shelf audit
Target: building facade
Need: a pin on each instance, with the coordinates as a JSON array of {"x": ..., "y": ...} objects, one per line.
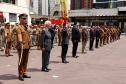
[
  {"x": 108, "y": 11},
  {"x": 12, "y": 8},
  {"x": 39, "y": 7},
  {"x": 81, "y": 4},
  {"x": 105, "y": 4}
]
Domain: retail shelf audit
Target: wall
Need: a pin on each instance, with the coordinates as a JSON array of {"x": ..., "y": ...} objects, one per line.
[{"x": 22, "y": 6}]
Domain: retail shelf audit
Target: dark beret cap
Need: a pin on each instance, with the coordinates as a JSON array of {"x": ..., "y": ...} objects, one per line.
[{"x": 23, "y": 15}]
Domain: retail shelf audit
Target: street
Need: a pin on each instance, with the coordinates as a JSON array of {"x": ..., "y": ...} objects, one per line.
[{"x": 105, "y": 65}]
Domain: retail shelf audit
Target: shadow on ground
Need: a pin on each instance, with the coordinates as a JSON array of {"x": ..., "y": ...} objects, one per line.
[
  {"x": 33, "y": 70},
  {"x": 55, "y": 62},
  {"x": 2, "y": 55},
  {"x": 8, "y": 77},
  {"x": 66, "y": 56}
]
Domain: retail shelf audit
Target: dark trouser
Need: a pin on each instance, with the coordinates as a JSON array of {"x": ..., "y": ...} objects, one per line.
[
  {"x": 64, "y": 51},
  {"x": 96, "y": 43},
  {"x": 52, "y": 39},
  {"x": 45, "y": 59},
  {"x": 8, "y": 48},
  {"x": 74, "y": 51},
  {"x": 23, "y": 60},
  {"x": 91, "y": 43},
  {"x": 83, "y": 46}
]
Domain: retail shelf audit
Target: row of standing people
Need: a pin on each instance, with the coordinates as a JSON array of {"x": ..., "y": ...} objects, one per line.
[
  {"x": 103, "y": 35},
  {"x": 45, "y": 39}
]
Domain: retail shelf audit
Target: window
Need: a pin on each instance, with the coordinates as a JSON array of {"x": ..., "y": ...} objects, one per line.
[
  {"x": 121, "y": 3},
  {"x": 106, "y": 5},
  {"x": 101, "y": 0},
  {"x": 9, "y": 1},
  {"x": 12, "y": 17},
  {"x": 56, "y": 13}
]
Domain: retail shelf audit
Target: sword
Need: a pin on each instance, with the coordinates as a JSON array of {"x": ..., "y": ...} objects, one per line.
[{"x": 20, "y": 57}]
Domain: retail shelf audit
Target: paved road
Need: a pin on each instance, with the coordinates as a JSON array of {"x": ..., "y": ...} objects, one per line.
[{"x": 105, "y": 65}]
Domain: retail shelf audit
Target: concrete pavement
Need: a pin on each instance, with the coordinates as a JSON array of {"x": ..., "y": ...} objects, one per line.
[{"x": 105, "y": 65}]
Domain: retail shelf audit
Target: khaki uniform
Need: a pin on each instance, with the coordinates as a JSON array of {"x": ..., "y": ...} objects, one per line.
[
  {"x": 8, "y": 36},
  {"x": 84, "y": 37},
  {"x": 24, "y": 37},
  {"x": 38, "y": 38},
  {"x": 101, "y": 36},
  {"x": 59, "y": 37}
]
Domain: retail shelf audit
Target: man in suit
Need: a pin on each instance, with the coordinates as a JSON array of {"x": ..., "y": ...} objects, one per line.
[
  {"x": 97, "y": 34},
  {"x": 75, "y": 39},
  {"x": 92, "y": 37},
  {"x": 46, "y": 46},
  {"x": 53, "y": 32},
  {"x": 65, "y": 42},
  {"x": 23, "y": 39}
]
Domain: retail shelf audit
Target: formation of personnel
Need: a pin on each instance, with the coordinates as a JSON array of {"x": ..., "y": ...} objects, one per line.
[
  {"x": 103, "y": 35},
  {"x": 22, "y": 37}
]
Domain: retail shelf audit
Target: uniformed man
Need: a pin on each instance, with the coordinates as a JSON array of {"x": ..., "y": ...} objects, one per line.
[
  {"x": 38, "y": 37},
  {"x": 101, "y": 35},
  {"x": 23, "y": 39},
  {"x": 2, "y": 37},
  {"x": 84, "y": 35},
  {"x": 59, "y": 35},
  {"x": 8, "y": 38}
]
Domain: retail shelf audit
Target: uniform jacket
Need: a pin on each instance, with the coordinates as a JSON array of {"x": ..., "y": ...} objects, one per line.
[
  {"x": 84, "y": 35},
  {"x": 23, "y": 36},
  {"x": 8, "y": 34}
]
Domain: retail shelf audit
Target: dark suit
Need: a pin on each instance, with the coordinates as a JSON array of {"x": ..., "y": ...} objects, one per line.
[
  {"x": 97, "y": 34},
  {"x": 92, "y": 36},
  {"x": 52, "y": 31},
  {"x": 65, "y": 42},
  {"x": 75, "y": 40},
  {"x": 45, "y": 42}
]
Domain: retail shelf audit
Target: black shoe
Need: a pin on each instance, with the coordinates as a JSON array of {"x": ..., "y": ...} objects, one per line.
[
  {"x": 91, "y": 49},
  {"x": 21, "y": 78},
  {"x": 45, "y": 70},
  {"x": 25, "y": 76},
  {"x": 65, "y": 62},
  {"x": 48, "y": 69}
]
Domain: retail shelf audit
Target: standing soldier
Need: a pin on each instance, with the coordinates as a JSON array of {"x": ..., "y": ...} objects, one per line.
[
  {"x": 8, "y": 38},
  {"x": 59, "y": 36},
  {"x": 38, "y": 38},
  {"x": 2, "y": 37},
  {"x": 101, "y": 35},
  {"x": 84, "y": 39},
  {"x": 23, "y": 39}
]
